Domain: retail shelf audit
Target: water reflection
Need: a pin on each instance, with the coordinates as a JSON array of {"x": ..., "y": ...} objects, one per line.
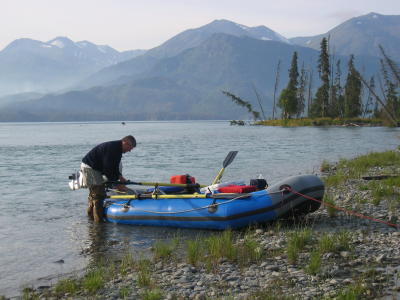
[{"x": 109, "y": 242}]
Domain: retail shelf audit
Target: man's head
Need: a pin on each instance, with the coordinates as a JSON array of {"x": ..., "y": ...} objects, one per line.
[{"x": 128, "y": 143}]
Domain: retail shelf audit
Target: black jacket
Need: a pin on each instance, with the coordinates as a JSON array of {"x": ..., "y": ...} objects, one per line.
[{"x": 105, "y": 158}]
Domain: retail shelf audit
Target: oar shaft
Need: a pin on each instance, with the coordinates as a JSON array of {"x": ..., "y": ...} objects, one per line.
[
  {"x": 189, "y": 185},
  {"x": 218, "y": 177},
  {"x": 183, "y": 196}
]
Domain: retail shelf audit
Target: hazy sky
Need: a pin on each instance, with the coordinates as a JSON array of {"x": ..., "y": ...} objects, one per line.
[{"x": 143, "y": 24}]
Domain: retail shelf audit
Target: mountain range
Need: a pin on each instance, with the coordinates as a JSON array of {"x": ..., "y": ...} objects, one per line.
[
  {"x": 28, "y": 65},
  {"x": 183, "y": 77},
  {"x": 360, "y": 36}
]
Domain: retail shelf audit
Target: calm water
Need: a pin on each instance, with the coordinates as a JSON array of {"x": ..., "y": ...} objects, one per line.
[{"x": 42, "y": 222}]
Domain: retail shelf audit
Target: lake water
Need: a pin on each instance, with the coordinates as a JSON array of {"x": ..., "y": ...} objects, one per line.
[{"x": 44, "y": 231}]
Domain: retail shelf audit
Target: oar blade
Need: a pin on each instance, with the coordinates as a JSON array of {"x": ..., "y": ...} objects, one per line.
[{"x": 229, "y": 158}]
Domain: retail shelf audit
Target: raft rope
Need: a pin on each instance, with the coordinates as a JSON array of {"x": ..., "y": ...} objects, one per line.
[
  {"x": 213, "y": 205},
  {"x": 286, "y": 188},
  {"x": 182, "y": 211},
  {"x": 350, "y": 212}
]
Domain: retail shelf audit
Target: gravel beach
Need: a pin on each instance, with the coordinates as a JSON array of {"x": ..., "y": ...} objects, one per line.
[{"x": 343, "y": 257}]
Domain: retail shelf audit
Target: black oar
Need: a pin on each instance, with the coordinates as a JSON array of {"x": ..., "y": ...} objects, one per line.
[
  {"x": 195, "y": 185},
  {"x": 229, "y": 158}
]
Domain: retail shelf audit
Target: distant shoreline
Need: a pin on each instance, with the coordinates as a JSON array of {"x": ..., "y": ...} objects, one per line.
[{"x": 345, "y": 122}]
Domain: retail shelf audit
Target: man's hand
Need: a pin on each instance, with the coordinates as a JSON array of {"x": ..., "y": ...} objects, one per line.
[{"x": 121, "y": 188}]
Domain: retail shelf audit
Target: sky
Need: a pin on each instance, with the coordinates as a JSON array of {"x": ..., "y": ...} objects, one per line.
[{"x": 144, "y": 24}]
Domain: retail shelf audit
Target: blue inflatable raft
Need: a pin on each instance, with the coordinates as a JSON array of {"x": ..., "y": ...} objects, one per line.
[{"x": 288, "y": 198}]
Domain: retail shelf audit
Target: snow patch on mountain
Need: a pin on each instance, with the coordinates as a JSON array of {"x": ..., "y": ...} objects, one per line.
[
  {"x": 243, "y": 27},
  {"x": 81, "y": 44},
  {"x": 58, "y": 43}
]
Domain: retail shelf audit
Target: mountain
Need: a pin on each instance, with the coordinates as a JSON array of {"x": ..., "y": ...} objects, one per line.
[
  {"x": 183, "y": 79},
  {"x": 28, "y": 65},
  {"x": 177, "y": 44},
  {"x": 185, "y": 86},
  {"x": 361, "y": 36},
  {"x": 194, "y": 37}
]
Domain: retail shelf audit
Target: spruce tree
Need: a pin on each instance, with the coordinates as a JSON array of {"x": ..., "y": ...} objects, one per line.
[
  {"x": 369, "y": 111},
  {"x": 301, "y": 98},
  {"x": 288, "y": 99},
  {"x": 336, "y": 106},
  {"x": 352, "y": 92},
  {"x": 391, "y": 96},
  {"x": 321, "y": 101}
]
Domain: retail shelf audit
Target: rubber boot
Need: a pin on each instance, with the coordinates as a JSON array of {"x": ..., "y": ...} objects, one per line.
[
  {"x": 97, "y": 196},
  {"x": 90, "y": 208},
  {"x": 98, "y": 211}
]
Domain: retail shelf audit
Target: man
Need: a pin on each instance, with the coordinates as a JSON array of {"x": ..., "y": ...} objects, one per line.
[{"x": 102, "y": 164}]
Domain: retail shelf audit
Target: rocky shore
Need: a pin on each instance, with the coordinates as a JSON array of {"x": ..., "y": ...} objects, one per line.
[{"x": 327, "y": 255}]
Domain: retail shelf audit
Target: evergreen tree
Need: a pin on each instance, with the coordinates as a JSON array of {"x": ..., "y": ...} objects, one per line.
[
  {"x": 301, "y": 103},
  {"x": 278, "y": 70},
  {"x": 337, "y": 102},
  {"x": 309, "y": 93},
  {"x": 320, "y": 104},
  {"x": 391, "y": 96},
  {"x": 239, "y": 101},
  {"x": 288, "y": 98},
  {"x": 369, "y": 111},
  {"x": 352, "y": 92}
]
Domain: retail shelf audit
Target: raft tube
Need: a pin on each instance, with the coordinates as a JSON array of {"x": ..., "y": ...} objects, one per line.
[{"x": 221, "y": 211}]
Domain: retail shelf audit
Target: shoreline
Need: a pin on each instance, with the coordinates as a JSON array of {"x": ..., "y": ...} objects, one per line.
[{"x": 326, "y": 255}]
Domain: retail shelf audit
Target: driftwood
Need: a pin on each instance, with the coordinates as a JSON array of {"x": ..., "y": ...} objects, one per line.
[{"x": 379, "y": 177}]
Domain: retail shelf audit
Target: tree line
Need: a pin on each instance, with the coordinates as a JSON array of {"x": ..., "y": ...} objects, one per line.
[
  {"x": 332, "y": 99},
  {"x": 336, "y": 101}
]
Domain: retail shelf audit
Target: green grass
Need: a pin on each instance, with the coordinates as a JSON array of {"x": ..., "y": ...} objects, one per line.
[
  {"x": 296, "y": 243},
  {"x": 320, "y": 122},
  {"x": 155, "y": 294},
  {"x": 211, "y": 250},
  {"x": 164, "y": 250},
  {"x": 359, "y": 166},
  {"x": 327, "y": 243},
  {"x": 314, "y": 264},
  {"x": 325, "y": 166},
  {"x": 127, "y": 263},
  {"x": 29, "y": 294},
  {"x": 94, "y": 280},
  {"x": 344, "y": 240},
  {"x": 68, "y": 285},
  {"x": 195, "y": 251},
  {"x": 143, "y": 267},
  {"x": 124, "y": 292},
  {"x": 220, "y": 246},
  {"x": 336, "y": 242},
  {"x": 329, "y": 201},
  {"x": 353, "y": 292},
  {"x": 381, "y": 191},
  {"x": 394, "y": 181},
  {"x": 250, "y": 251},
  {"x": 335, "y": 179}
]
